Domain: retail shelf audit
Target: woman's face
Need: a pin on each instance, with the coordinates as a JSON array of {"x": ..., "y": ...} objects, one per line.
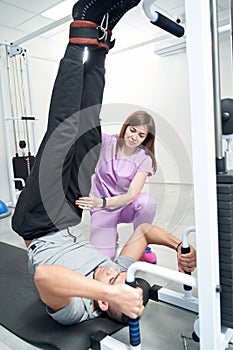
[{"x": 135, "y": 135}]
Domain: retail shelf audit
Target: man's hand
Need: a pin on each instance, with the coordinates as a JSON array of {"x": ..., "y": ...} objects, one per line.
[
  {"x": 186, "y": 262},
  {"x": 128, "y": 299}
]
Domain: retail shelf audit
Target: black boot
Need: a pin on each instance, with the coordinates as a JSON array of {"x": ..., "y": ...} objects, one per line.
[
  {"x": 95, "y": 19},
  {"x": 94, "y": 10},
  {"x": 117, "y": 11}
]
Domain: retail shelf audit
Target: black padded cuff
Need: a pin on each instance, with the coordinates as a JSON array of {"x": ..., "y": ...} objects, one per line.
[{"x": 91, "y": 33}]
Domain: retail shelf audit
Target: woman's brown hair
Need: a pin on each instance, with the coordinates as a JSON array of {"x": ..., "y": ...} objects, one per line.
[{"x": 141, "y": 118}]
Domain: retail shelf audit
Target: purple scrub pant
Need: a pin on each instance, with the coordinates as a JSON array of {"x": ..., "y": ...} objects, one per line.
[{"x": 104, "y": 221}]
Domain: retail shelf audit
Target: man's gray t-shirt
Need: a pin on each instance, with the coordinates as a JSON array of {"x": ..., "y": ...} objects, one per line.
[{"x": 70, "y": 249}]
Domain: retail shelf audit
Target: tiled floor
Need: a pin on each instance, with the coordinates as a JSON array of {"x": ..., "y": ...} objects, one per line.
[{"x": 162, "y": 325}]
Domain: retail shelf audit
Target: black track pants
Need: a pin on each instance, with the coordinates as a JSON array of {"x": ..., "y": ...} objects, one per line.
[{"x": 69, "y": 150}]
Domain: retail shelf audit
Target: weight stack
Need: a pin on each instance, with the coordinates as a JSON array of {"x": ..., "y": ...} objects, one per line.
[
  {"x": 225, "y": 235},
  {"x": 22, "y": 167}
]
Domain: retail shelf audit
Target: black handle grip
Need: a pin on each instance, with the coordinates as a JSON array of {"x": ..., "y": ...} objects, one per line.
[
  {"x": 131, "y": 284},
  {"x": 186, "y": 250},
  {"x": 167, "y": 24},
  {"x": 134, "y": 329}
]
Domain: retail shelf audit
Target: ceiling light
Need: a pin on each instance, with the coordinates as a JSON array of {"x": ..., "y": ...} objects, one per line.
[{"x": 59, "y": 11}]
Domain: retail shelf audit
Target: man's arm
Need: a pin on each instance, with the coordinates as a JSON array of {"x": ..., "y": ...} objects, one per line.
[
  {"x": 149, "y": 234},
  {"x": 57, "y": 285}
]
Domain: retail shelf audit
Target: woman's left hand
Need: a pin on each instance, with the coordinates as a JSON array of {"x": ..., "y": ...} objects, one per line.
[{"x": 88, "y": 203}]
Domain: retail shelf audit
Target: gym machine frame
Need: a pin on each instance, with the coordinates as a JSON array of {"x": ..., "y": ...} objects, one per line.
[
  {"x": 203, "y": 65},
  {"x": 11, "y": 51}
]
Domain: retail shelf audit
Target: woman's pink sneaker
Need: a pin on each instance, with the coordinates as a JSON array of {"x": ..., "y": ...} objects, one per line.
[{"x": 149, "y": 256}]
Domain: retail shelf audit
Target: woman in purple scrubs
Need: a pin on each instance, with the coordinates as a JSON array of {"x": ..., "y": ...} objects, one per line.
[{"x": 125, "y": 162}]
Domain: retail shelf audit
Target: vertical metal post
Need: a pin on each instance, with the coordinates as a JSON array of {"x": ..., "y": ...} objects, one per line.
[
  {"x": 231, "y": 33},
  {"x": 201, "y": 85},
  {"x": 216, "y": 84},
  {"x": 7, "y": 137},
  {"x": 34, "y": 138}
]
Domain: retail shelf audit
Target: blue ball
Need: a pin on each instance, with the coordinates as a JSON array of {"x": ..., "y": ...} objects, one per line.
[{"x": 3, "y": 208}]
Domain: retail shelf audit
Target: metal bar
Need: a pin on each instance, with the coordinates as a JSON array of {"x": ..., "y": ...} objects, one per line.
[
  {"x": 231, "y": 37},
  {"x": 227, "y": 337},
  {"x": 9, "y": 85},
  {"x": 160, "y": 271},
  {"x": 216, "y": 79},
  {"x": 7, "y": 138},
  {"x": 5, "y": 43},
  {"x": 109, "y": 343},
  {"x": 43, "y": 30},
  {"x": 147, "y": 8},
  {"x": 161, "y": 20},
  {"x": 185, "y": 242},
  {"x": 34, "y": 138},
  {"x": 178, "y": 299},
  {"x": 201, "y": 86}
]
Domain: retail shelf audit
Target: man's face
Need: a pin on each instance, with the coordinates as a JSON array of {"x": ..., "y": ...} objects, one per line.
[{"x": 109, "y": 275}]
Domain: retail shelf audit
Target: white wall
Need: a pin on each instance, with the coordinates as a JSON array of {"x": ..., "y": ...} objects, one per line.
[{"x": 136, "y": 79}]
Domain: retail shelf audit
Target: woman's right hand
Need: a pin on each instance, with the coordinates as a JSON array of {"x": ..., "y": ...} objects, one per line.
[{"x": 88, "y": 203}]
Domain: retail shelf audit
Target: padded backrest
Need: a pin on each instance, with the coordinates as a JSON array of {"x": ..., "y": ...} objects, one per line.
[{"x": 24, "y": 314}]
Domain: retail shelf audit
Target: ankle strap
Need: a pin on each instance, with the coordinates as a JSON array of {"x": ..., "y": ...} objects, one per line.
[{"x": 90, "y": 34}]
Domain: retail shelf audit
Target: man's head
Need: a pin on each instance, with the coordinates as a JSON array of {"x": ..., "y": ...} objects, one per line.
[{"x": 109, "y": 275}]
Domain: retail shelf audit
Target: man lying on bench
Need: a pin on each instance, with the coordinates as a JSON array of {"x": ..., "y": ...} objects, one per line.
[
  {"x": 75, "y": 280},
  {"x": 86, "y": 283}
]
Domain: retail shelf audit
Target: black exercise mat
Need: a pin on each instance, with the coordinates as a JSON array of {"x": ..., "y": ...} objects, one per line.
[{"x": 22, "y": 312}]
